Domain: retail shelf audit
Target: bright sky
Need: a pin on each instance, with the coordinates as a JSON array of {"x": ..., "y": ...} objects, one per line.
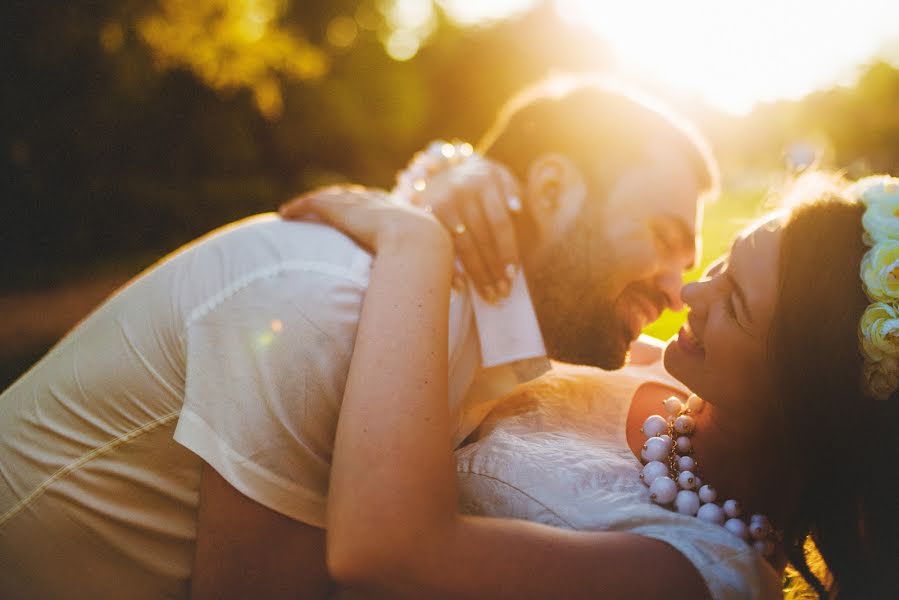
[{"x": 732, "y": 53}]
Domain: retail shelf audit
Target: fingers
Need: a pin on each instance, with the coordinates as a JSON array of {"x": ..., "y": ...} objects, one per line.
[
  {"x": 509, "y": 184},
  {"x": 479, "y": 229},
  {"x": 352, "y": 210},
  {"x": 303, "y": 205},
  {"x": 468, "y": 253},
  {"x": 295, "y": 208},
  {"x": 473, "y": 203},
  {"x": 505, "y": 256}
]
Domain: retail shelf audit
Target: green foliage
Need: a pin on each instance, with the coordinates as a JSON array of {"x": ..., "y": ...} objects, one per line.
[{"x": 229, "y": 44}]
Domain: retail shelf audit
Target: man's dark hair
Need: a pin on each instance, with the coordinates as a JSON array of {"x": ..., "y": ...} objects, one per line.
[{"x": 603, "y": 128}]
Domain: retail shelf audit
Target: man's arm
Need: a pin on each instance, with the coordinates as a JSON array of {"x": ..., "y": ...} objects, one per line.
[{"x": 245, "y": 550}]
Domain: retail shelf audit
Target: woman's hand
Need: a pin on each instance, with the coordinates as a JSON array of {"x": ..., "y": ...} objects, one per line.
[
  {"x": 476, "y": 200},
  {"x": 369, "y": 216}
]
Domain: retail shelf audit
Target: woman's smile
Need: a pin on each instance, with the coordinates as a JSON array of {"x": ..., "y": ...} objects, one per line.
[{"x": 688, "y": 342}]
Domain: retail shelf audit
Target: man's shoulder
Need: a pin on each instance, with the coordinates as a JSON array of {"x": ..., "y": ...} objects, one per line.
[
  {"x": 305, "y": 237},
  {"x": 265, "y": 242}
]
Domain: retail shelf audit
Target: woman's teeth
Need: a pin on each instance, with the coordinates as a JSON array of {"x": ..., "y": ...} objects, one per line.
[{"x": 691, "y": 337}]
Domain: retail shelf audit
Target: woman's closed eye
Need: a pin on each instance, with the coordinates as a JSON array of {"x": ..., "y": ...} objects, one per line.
[
  {"x": 730, "y": 305},
  {"x": 717, "y": 269}
]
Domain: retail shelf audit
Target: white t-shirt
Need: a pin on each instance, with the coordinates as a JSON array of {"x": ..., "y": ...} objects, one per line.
[
  {"x": 562, "y": 458},
  {"x": 234, "y": 350}
]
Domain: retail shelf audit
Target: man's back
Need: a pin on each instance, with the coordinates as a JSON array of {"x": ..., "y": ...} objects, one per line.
[{"x": 213, "y": 354}]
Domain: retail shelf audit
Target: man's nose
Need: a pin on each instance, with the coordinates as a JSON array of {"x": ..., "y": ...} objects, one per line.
[{"x": 671, "y": 283}]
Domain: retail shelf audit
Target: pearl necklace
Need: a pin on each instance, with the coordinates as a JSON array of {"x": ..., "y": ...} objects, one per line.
[{"x": 669, "y": 473}]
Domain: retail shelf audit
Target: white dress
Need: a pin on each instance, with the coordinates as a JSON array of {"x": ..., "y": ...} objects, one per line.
[{"x": 562, "y": 459}]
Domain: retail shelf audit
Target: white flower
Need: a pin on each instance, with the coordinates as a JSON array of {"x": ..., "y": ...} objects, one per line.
[
  {"x": 879, "y": 332},
  {"x": 880, "y": 271},
  {"x": 881, "y": 198},
  {"x": 873, "y": 189}
]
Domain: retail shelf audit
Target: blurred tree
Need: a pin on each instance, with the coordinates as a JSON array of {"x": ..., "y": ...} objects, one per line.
[
  {"x": 230, "y": 44},
  {"x": 132, "y": 126}
]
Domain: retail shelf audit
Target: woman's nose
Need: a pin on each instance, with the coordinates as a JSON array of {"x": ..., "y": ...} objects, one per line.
[{"x": 691, "y": 293}]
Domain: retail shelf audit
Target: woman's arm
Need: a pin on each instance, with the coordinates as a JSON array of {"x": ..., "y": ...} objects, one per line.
[{"x": 393, "y": 526}]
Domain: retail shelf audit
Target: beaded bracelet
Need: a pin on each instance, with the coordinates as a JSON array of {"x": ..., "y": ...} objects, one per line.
[{"x": 438, "y": 156}]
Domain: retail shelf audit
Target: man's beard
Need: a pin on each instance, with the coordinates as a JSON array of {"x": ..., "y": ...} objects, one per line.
[{"x": 573, "y": 297}]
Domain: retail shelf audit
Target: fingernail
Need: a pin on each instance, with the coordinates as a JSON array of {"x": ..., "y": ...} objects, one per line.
[
  {"x": 511, "y": 271},
  {"x": 503, "y": 288}
]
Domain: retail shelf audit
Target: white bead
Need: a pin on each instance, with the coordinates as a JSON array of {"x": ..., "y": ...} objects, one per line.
[
  {"x": 653, "y": 470},
  {"x": 686, "y": 502},
  {"x": 732, "y": 508},
  {"x": 686, "y": 480},
  {"x": 673, "y": 405},
  {"x": 686, "y": 463},
  {"x": 764, "y": 547},
  {"x": 654, "y": 425},
  {"x": 698, "y": 482},
  {"x": 759, "y": 527},
  {"x": 707, "y": 493},
  {"x": 669, "y": 443},
  {"x": 684, "y": 424},
  {"x": 695, "y": 403},
  {"x": 737, "y": 527},
  {"x": 663, "y": 490},
  {"x": 655, "y": 449},
  {"x": 711, "y": 513},
  {"x": 684, "y": 445}
]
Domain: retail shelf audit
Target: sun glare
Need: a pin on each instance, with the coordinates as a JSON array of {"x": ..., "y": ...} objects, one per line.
[{"x": 739, "y": 52}]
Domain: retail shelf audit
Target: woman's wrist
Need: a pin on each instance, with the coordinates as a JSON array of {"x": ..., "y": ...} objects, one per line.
[{"x": 431, "y": 239}]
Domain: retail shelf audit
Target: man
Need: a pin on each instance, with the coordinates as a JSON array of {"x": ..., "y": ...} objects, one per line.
[{"x": 178, "y": 440}]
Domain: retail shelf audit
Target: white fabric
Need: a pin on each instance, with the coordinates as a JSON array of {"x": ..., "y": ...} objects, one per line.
[
  {"x": 562, "y": 459},
  {"x": 508, "y": 330},
  {"x": 235, "y": 351}
]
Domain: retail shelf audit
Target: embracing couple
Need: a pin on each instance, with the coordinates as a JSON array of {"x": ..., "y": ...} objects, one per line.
[{"x": 285, "y": 405}]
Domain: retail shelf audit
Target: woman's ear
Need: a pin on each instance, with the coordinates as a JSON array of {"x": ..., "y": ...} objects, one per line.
[{"x": 556, "y": 192}]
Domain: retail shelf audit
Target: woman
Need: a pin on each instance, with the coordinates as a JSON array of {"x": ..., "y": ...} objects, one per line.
[{"x": 771, "y": 345}]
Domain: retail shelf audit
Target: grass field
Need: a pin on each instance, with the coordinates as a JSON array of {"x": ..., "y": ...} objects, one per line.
[{"x": 733, "y": 211}]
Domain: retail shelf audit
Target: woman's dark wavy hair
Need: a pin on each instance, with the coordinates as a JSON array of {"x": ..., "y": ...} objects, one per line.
[{"x": 840, "y": 442}]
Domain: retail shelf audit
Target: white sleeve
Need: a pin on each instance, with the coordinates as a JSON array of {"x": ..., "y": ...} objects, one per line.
[
  {"x": 266, "y": 369},
  {"x": 731, "y": 569}
]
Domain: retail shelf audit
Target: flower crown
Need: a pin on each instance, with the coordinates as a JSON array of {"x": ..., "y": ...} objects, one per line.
[{"x": 878, "y": 330}]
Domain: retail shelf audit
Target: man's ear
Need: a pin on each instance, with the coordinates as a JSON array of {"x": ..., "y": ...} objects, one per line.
[{"x": 556, "y": 192}]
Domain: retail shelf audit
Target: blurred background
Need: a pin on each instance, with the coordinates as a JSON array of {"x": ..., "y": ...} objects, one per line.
[{"x": 132, "y": 126}]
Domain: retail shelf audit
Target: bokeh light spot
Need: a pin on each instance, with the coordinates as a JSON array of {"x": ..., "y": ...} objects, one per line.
[
  {"x": 402, "y": 45},
  {"x": 342, "y": 32}
]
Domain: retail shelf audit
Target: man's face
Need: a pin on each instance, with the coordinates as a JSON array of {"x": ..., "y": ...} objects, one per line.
[{"x": 619, "y": 265}]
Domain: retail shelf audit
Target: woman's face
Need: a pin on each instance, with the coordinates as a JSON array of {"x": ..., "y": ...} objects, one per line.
[{"x": 720, "y": 353}]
